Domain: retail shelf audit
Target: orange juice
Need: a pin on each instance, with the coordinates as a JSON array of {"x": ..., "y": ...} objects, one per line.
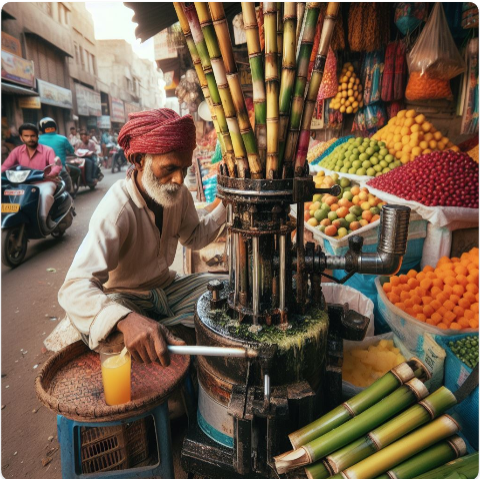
[{"x": 116, "y": 372}]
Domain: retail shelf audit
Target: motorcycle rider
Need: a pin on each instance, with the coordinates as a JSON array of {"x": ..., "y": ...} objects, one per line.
[
  {"x": 62, "y": 147},
  {"x": 86, "y": 143},
  {"x": 37, "y": 157}
]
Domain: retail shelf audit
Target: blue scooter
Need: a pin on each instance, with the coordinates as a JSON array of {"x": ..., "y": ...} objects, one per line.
[{"x": 20, "y": 212}]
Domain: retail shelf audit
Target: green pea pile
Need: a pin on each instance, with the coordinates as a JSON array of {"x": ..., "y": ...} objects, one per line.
[{"x": 466, "y": 350}]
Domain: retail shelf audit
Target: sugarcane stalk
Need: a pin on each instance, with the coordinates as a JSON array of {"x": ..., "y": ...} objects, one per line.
[
  {"x": 279, "y": 36},
  {"x": 314, "y": 85},
  {"x": 300, "y": 20},
  {"x": 462, "y": 468},
  {"x": 288, "y": 75},
  {"x": 197, "y": 63},
  {"x": 431, "y": 458},
  {"x": 303, "y": 62},
  {"x": 255, "y": 57},
  {"x": 224, "y": 44},
  {"x": 272, "y": 87},
  {"x": 401, "y": 450},
  {"x": 388, "y": 407},
  {"x": 430, "y": 408},
  {"x": 380, "y": 389},
  {"x": 204, "y": 38}
]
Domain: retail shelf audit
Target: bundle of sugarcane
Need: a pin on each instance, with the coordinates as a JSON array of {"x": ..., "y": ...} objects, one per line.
[
  {"x": 401, "y": 450},
  {"x": 361, "y": 402},
  {"x": 274, "y": 72},
  {"x": 430, "y": 408},
  {"x": 403, "y": 397},
  {"x": 429, "y": 459},
  {"x": 463, "y": 468}
]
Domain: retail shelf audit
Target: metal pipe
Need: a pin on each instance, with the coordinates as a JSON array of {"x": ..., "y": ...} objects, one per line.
[
  {"x": 213, "y": 351},
  {"x": 266, "y": 389},
  {"x": 282, "y": 278},
  {"x": 231, "y": 251},
  {"x": 256, "y": 278}
]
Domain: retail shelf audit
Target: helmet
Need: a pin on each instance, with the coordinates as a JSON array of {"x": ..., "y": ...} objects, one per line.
[{"x": 47, "y": 125}]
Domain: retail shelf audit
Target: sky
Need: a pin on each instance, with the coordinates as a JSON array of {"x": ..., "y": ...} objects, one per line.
[{"x": 118, "y": 26}]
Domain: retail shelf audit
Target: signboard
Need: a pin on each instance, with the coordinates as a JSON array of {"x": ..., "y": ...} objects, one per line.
[
  {"x": 17, "y": 69},
  {"x": 161, "y": 48},
  {"x": 117, "y": 110},
  {"x": 11, "y": 44},
  {"x": 89, "y": 102},
  {"x": 131, "y": 108},
  {"x": 30, "y": 102},
  {"x": 103, "y": 122},
  {"x": 54, "y": 95}
]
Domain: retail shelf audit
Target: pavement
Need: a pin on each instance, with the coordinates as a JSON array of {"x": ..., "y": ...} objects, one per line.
[{"x": 30, "y": 312}]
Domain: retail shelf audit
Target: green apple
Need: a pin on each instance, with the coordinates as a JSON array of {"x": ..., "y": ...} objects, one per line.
[
  {"x": 350, "y": 217},
  {"x": 355, "y": 210},
  {"x": 332, "y": 216},
  {"x": 342, "y": 232},
  {"x": 371, "y": 172},
  {"x": 344, "y": 182}
]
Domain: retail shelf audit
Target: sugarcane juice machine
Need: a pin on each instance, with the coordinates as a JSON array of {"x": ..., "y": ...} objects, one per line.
[{"x": 273, "y": 304}]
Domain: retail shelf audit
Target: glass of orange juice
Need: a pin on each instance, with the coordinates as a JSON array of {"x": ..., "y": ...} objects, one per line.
[{"x": 116, "y": 375}]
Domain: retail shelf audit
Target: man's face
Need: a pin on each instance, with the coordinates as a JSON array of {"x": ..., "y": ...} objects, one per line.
[
  {"x": 30, "y": 138},
  {"x": 84, "y": 137},
  {"x": 73, "y": 131},
  {"x": 163, "y": 175}
]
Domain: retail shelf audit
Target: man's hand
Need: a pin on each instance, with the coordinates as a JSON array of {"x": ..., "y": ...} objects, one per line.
[{"x": 147, "y": 339}]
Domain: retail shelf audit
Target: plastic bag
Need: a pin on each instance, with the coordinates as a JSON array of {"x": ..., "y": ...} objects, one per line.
[
  {"x": 422, "y": 87},
  {"x": 375, "y": 116},
  {"x": 329, "y": 85},
  {"x": 435, "y": 53}
]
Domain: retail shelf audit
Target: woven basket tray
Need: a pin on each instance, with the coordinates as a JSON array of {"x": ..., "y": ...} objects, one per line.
[{"x": 70, "y": 384}]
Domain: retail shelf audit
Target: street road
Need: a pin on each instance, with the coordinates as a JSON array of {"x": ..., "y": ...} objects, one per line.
[{"x": 30, "y": 312}]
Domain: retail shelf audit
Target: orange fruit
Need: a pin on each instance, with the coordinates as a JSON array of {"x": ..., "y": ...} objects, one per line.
[
  {"x": 448, "y": 289},
  {"x": 397, "y": 290},
  {"x": 458, "y": 289},
  {"x": 400, "y": 305},
  {"x": 421, "y": 276},
  {"x": 458, "y": 310},
  {"x": 455, "y": 260},
  {"x": 449, "y": 305},
  {"x": 438, "y": 282},
  {"x": 470, "y": 297},
  {"x": 426, "y": 283},
  {"x": 472, "y": 288},
  {"x": 409, "y": 311},
  {"x": 474, "y": 307},
  {"x": 428, "y": 268},
  {"x": 408, "y": 304},
  {"x": 412, "y": 273},
  {"x": 416, "y": 299},
  {"x": 435, "y": 291},
  {"x": 451, "y": 281},
  {"x": 454, "y": 298},
  {"x": 334, "y": 207},
  {"x": 469, "y": 314},
  {"x": 455, "y": 326},
  {"x": 404, "y": 295},
  {"x": 431, "y": 275},
  {"x": 442, "y": 326},
  {"x": 473, "y": 323},
  {"x": 387, "y": 287},
  {"x": 427, "y": 300},
  {"x": 464, "y": 322},
  {"x": 430, "y": 321},
  {"x": 442, "y": 310},
  {"x": 462, "y": 279},
  {"x": 476, "y": 297},
  {"x": 449, "y": 317},
  {"x": 421, "y": 292},
  {"x": 418, "y": 309},
  {"x": 403, "y": 278},
  {"x": 464, "y": 303},
  {"x": 395, "y": 280},
  {"x": 436, "y": 318},
  {"x": 442, "y": 297},
  {"x": 413, "y": 282},
  {"x": 461, "y": 269},
  {"x": 394, "y": 298},
  {"x": 421, "y": 317},
  {"x": 435, "y": 304},
  {"x": 428, "y": 310}
]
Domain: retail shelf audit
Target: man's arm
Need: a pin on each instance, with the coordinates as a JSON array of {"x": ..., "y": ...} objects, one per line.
[
  {"x": 198, "y": 232},
  {"x": 11, "y": 160},
  {"x": 55, "y": 169}
]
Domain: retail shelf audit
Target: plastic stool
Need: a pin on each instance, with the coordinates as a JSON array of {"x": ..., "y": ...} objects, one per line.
[{"x": 70, "y": 444}]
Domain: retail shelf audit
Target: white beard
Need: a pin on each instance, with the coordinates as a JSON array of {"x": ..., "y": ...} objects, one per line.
[{"x": 165, "y": 195}]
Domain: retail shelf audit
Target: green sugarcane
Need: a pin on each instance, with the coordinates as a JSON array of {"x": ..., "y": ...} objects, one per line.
[
  {"x": 255, "y": 57},
  {"x": 433, "y": 457},
  {"x": 430, "y": 408},
  {"x": 314, "y": 86},
  {"x": 464, "y": 468},
  {"x": 228, "y": 66},
  {"x": 272, "y": 87},
  {"x": 233, "y": 146},
  {"x": 288, "y": 75},
  {"x": 388, "y": 407},
  {"x": 381, "y": 388},
  {"x": 401, "y": 450},
  {"x": 280, "y": 35},
  {"x": 303, "y": 62}
]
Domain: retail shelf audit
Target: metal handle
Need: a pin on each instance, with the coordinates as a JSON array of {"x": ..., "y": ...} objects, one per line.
[{"x": 213, "y": 351}]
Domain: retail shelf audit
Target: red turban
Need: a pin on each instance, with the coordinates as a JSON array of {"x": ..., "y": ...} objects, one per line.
[{"x": 157, "y": 132}]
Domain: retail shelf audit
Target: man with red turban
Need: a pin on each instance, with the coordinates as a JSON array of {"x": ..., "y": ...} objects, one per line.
[{"x": 120, "y": 278}]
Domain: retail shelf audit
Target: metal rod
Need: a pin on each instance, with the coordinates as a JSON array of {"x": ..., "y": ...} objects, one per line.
[
  {"x": 237, "y": 267},
  {"x": 266, "y": 383},
  {"x": 256, "y": 278},
  {"x": 213, "y": 351},
  {"x": 282, "y": 273},
  {"x": 231, "y": 250}
]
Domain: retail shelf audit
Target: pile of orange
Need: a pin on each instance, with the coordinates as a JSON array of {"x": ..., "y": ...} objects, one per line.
[{"x": 445, "y": 296}]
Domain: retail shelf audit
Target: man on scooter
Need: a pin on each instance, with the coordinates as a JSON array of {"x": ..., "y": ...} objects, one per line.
[
  {"x": 86, "y": 143},
  {"x": 37, "y": 157},
  {"x": 62, "y": 147},
  {"x": 120, "y": 278}
]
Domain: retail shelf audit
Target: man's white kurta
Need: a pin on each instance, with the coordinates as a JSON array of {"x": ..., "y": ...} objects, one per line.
[{"x": 124, "y": 252}]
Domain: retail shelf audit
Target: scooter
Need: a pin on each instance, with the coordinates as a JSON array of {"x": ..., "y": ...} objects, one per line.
[
  {"x": 118, "y": 160},
  {"x": 79, "y": 161},
  {"x": 20, "y": 212}
]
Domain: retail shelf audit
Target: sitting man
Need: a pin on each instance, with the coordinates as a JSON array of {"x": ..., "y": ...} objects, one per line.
[
  {"x": 37, "y": 157},
  {"x": 120, "y": 278},
  {"x": 86, "y": 143}
]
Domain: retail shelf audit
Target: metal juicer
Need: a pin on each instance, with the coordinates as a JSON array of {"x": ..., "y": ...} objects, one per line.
[{"x": 273, "y": 304}]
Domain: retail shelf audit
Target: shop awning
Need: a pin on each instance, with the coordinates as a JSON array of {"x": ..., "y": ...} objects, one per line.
[
  {"x": 18, "y": 90},
  {"x": 153, "y": 17}
]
